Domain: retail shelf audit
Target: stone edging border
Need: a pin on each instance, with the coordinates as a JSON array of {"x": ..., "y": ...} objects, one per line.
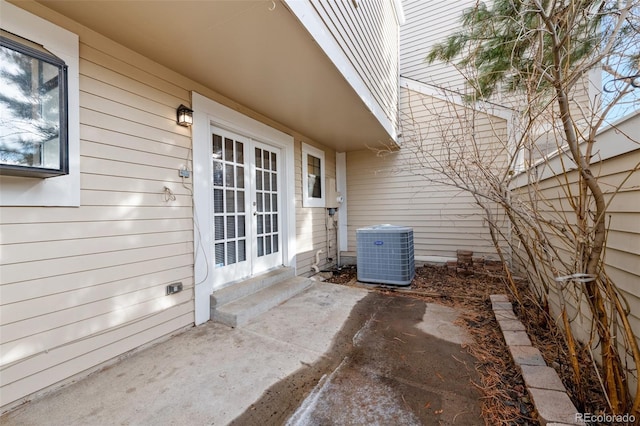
[{"x": 543, "y": 384}]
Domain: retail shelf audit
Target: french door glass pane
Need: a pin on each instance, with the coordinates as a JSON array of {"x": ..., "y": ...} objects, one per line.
[
  {"x": 240, "y": 176},
  {"x": 217, "y": 146},
  {"x": 239, "y": 153},
  {"x": 228, "y": 149},
  {"x": 219, "y": 254},
  {"x": 218, "y": 201},
  {"x": 217, "y": 173},
  {"x": 218, "y": 222},
  {"x": 242, "y": 251},
  {"x": 231, "y": 227},
  {"x": 229, "y": 175},
  {"x": 241, "y": 230},
  {"x": 258, "y": 180},
  {"x": 259, "y": 204},
  {"x": 231, "y": 252},
  {"x": 229, "y": 201},
  {"x": 266, "y": 184},
  {"x": 240, "y": 200}
]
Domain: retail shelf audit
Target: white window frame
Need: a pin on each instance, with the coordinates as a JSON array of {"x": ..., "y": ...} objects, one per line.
[
  {"x": 307, "y": 200},
  {"x": 60, "y": 190}
]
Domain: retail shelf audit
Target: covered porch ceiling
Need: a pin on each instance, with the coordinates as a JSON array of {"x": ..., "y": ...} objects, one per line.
[{"x": 256, "y": 53}]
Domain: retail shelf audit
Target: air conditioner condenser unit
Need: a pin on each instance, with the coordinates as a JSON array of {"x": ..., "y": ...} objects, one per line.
[{"x": 385, "y": 254}]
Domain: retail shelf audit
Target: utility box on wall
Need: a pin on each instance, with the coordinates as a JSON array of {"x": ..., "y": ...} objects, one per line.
[
  {"x": 333, "y": 198},
  {"x": 385, "y": 254}
]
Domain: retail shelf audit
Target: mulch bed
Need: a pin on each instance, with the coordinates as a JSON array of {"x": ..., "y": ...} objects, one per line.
[{"x": 505, "y": 400}]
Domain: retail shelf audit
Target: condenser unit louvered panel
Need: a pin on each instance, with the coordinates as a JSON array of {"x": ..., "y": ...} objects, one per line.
[{"x": 385, "y": 254}]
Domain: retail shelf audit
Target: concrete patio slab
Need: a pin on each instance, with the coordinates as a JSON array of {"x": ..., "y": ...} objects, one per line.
[
  {"x": 325, "y": 305},
  {"x": 397, "y": 374},
  {"x": 439, "y": 321},
  {"x": 340, "y": 353}
]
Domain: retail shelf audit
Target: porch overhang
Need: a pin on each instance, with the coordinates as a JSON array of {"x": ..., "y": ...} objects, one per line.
[{"x": 256, "y": 53}]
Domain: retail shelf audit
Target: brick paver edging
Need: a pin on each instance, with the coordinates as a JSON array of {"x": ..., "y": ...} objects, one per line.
[{"x": 547, "y": 392}]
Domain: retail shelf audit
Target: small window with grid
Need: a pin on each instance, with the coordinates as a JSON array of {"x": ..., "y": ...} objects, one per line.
[{"x": 313, "y": 192}]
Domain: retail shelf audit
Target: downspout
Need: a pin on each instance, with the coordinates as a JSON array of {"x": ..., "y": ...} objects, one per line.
[{"x": 336, "y": 224}]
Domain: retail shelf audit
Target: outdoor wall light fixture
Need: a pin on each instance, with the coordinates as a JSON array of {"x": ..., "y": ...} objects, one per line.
[{"x": 185, "y": 116}]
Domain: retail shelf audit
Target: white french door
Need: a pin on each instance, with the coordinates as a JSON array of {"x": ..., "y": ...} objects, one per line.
[
  {"x": 266, "y": 207},
  {"x": 246, "y": 206}
]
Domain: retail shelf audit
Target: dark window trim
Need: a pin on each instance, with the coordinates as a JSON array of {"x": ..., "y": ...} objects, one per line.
[{"x": 43, "y": 55}]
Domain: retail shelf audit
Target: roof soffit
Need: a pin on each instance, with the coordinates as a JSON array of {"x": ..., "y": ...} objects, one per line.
[{"x": 249, "y": 51}]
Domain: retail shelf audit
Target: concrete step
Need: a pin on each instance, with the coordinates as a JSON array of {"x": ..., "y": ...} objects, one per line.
[
  {"x": 244, "y": 288},
  {"x": 240, "y": 311}
]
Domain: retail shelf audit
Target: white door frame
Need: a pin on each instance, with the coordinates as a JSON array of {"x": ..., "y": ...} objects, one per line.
[{"x": 206, "y": 113}]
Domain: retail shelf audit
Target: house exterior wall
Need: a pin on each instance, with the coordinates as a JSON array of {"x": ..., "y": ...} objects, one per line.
[
  {"x": 311, "y": 222},
  {"x": 428, "y": 23},
  {"x": 361, "y": 38},
  {"x": 622, "y": 257},
  {"x": 402, "y": 187},
  {"x": 88, "y": 283},
  {"x": 83, "y": 286},
  {"x": 617, "y": 157},
  {"x": 397, "y": 187}
]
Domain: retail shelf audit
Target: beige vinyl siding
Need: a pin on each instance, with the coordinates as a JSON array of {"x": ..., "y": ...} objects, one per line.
[
  {"x": 80, "y": 286},
  {"x": 583, "y": 106},
  {"x": 428, "y": 23},
  {"x": 622, "y": 251},
  {"x": 367, "y": 33},
  {"x": 311, "y": 223},
  {"x": 622, "y": 256},
  {"x": 443, "y": 219},
  {"x": 398, "y": 188}
]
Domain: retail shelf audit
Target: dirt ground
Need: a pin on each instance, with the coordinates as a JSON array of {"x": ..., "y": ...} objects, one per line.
[{"x": 504, "y": 398}]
